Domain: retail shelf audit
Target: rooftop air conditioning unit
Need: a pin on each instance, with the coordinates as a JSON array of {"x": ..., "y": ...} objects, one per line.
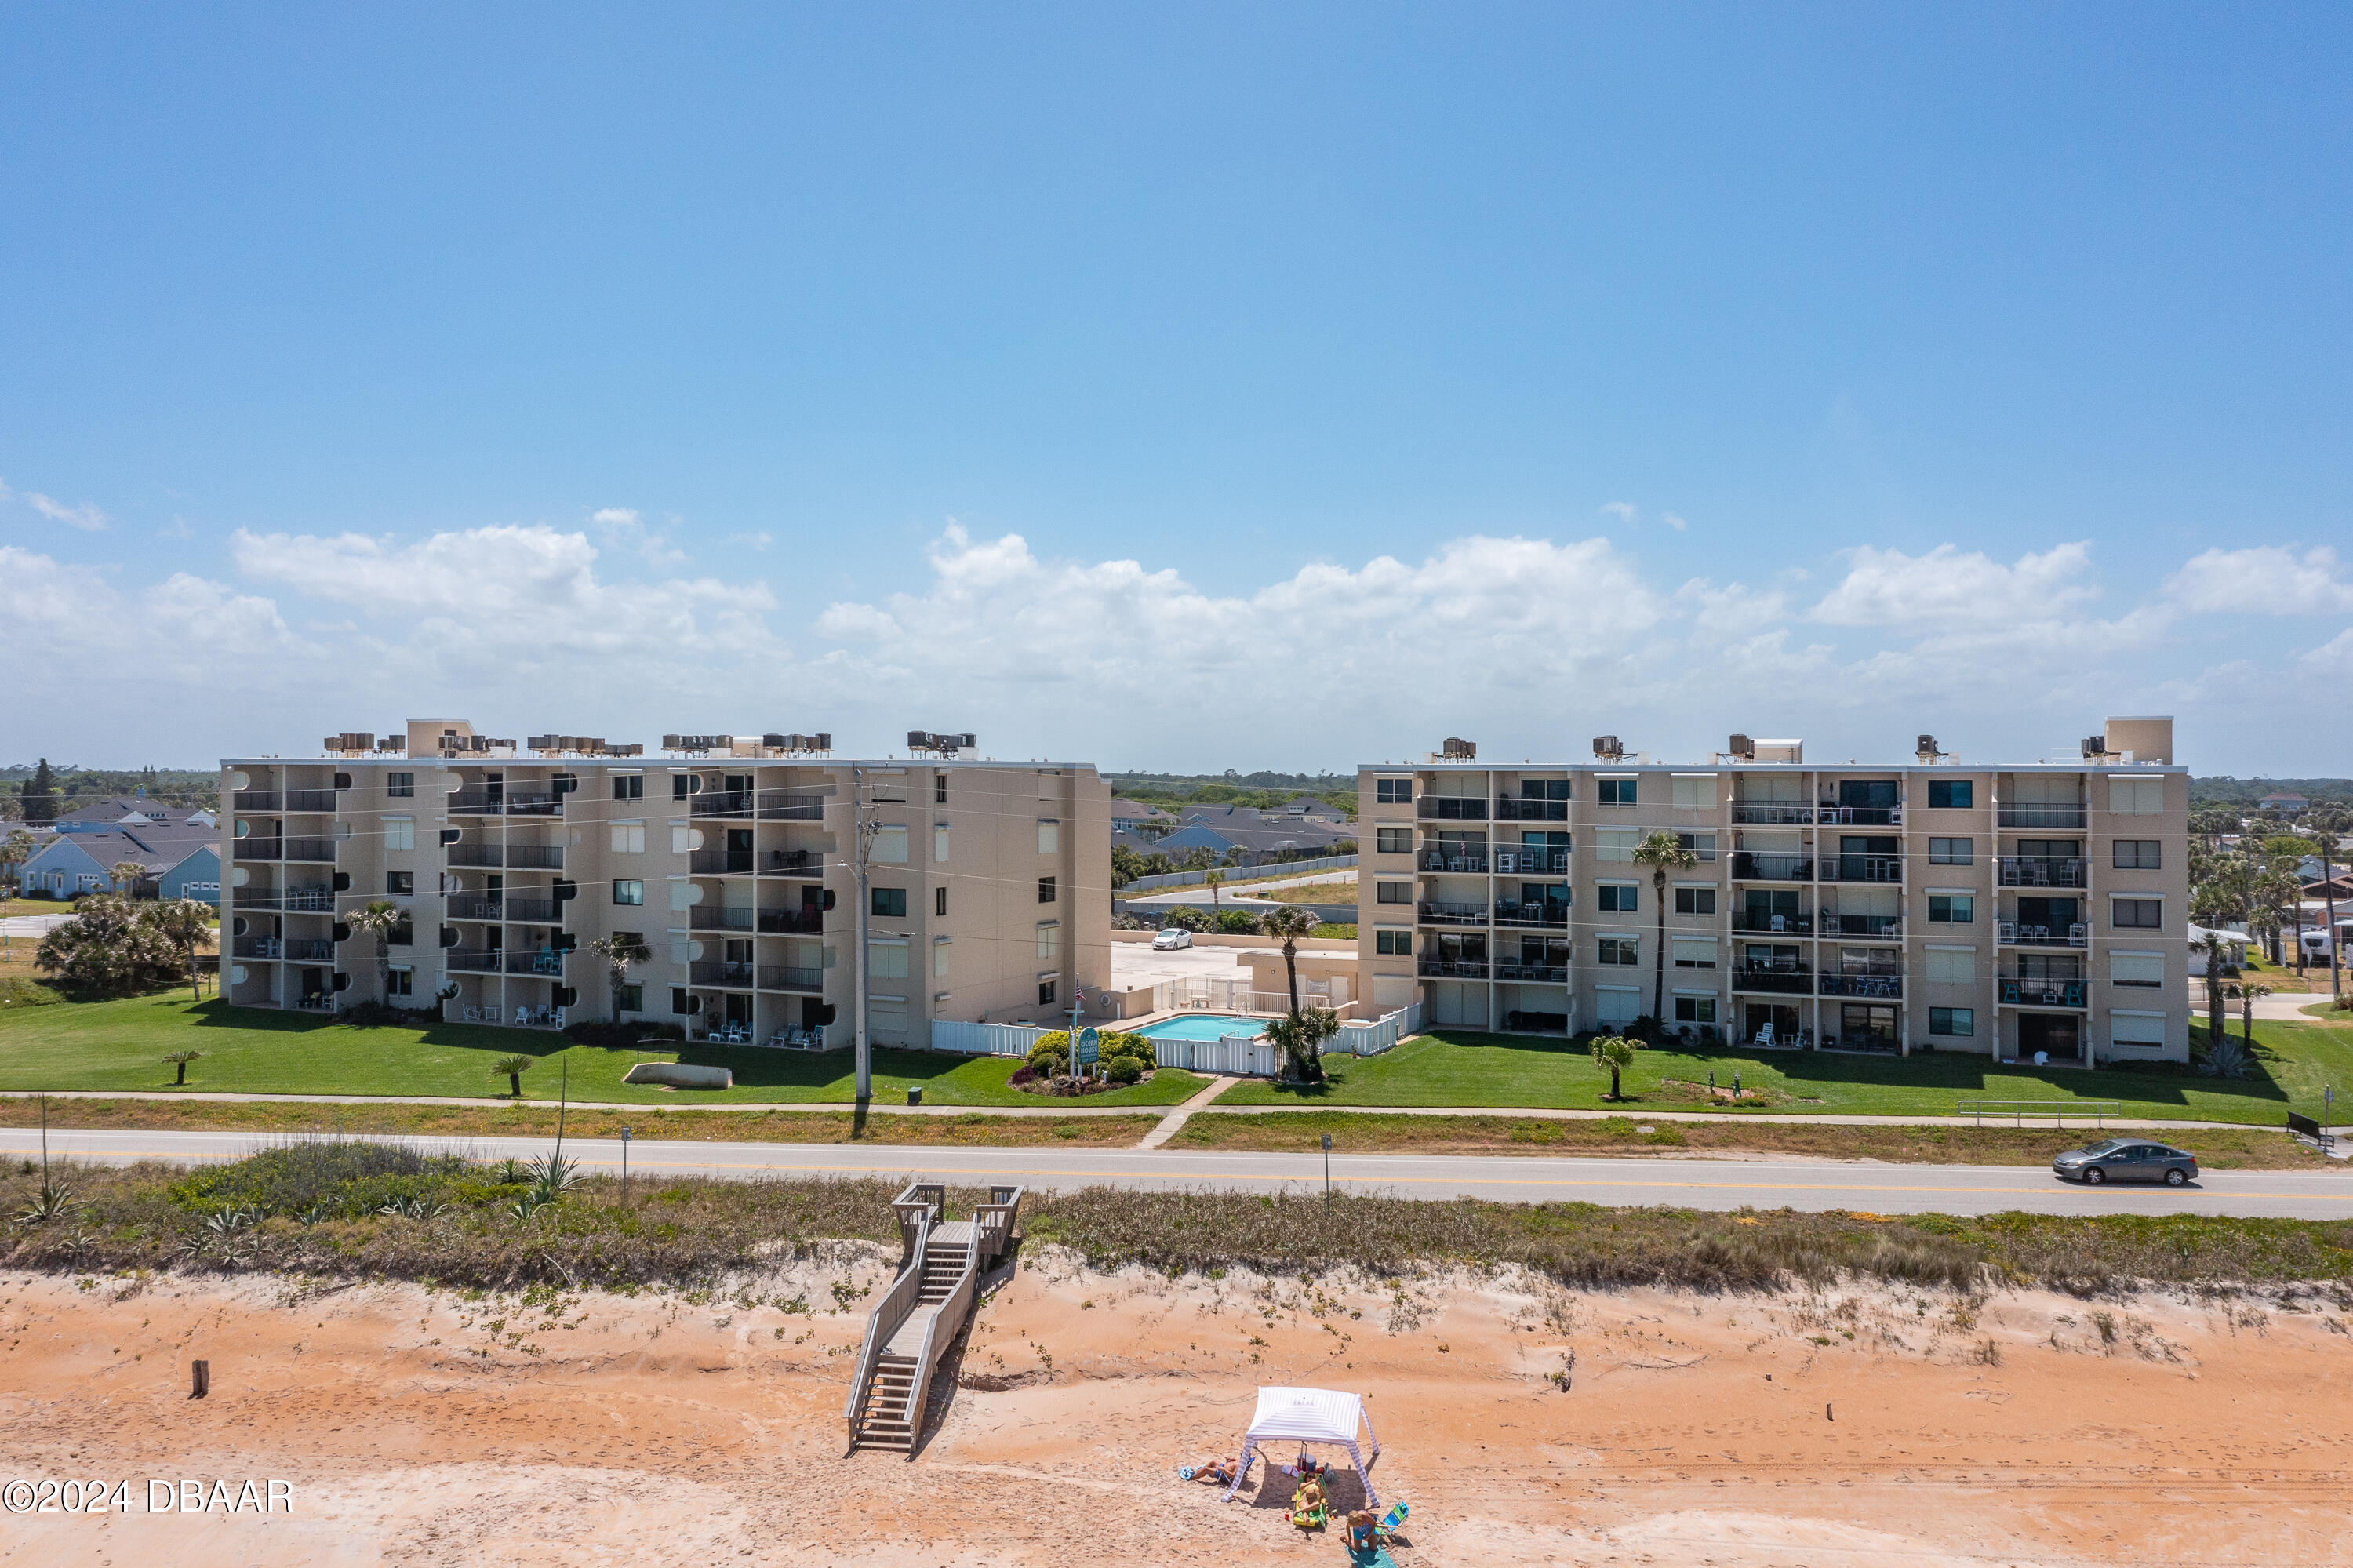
[
  {"x": 1741, "y": 747},
  {"x": 1608, "y": 749},
  {"x": 2095, "y": 745},
  {"x": 942, "y": 745},
  {"x": 1458, "y": 750}
]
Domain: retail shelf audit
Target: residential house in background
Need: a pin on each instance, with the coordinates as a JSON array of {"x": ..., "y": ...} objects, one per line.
[
  {"x": 181, "y": 860},
  {"x": 120, "y": 811},
  {"x": 1259, "y": 836},
  {"x": 2287, "y": 805},
  {"x": 1134, "y": 817}
]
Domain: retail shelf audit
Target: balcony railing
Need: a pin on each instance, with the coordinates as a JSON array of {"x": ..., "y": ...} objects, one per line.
[
  {"x": 2029, "y": 991},
  {"x": 1765, "y": 865},
  {"x": 550, "y": 964},
  {"x": 1770, "y": 813},
  {"x": 2043, "y": 816},
  {"x": 1525, "y": 860},
  {"x": 254, "y": 897},
  {"x": 2041, "y": 871},
  {"x": 791, "y": 806},
  {"x": 477, "y": 802},
  {"x": 791, "y": 862},
  {"x": 804, "y": 921},
  {"x": 260, "y": 849},
  {"x": 475, "y": 906},
  {"x": 311, "y": 950},
  {"x": 711, "y": 861},
  {"x": 311, "y": 900},
  {"x": 1453, "y": 914},
  {"x": 1453, "y": 969},
  {"x": 1883, "y": 927},
  {"x": 478, "y": 854},
  {"x": 258, "y": 947},
  {"x": 1886, "y": 987},
  {"x": 542, "y": 911},
  {"x": 2016, "y": 934},
  {"x": 1451, "y": 808},
  {"x": 1860, "y": 816},
  {"x": 720, "y": 972},
  {"x": 1539, "y": 974},
  {"x": 1510, "y": 810},
  {"x": 533, "y": 803},
  {"x": 259, "y": 800},
  {"x": 311, "y": 800},
  {"x": 1777, "y": 925},
  {"x": 791, "y": 977},
  {"x": 722, "y": 803},
  {"x": 481, "y": 960},
  {"x": 536, "y": 857},
  {"x": 316, "y": 849},
  {"x": 1531, "y": 914},
  {"x": 1779, "y": 981},
  {"x": 718, "y": 917},
  {"x": 1861, "y": 867},
  {"x": 1457, "y": 860}
]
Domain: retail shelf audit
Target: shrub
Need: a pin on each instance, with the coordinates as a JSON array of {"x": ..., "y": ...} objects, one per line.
[
  {"x": 621, "y": 1036},
  {"x": 1124, "y": 1070},
  {"x": 1186, "y": 917},
  {"x": 1238, "y": 923}
]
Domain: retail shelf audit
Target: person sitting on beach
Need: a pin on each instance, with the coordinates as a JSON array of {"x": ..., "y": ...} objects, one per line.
[
  {"x": 1361, "y": 1534},
  {"x": 1311, "y": 1496}
]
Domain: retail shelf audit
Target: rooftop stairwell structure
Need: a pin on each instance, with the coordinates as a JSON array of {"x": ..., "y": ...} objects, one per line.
[{"x": 926, "y": 1307}]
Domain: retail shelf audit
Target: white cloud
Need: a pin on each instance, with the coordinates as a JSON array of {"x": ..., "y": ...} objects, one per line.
[
  {"x": 2333, "y": 657},
  {"x": 1947, "y": 588},
  {"x": 2266, "y": 580},
  {"x": 615, "y": 514},
  {"x": 1624, "y": 511},
  {"x": 87, "y": 518},
  {"x": 1672, "y": 521},
  {"x": 623, "y": 528}
]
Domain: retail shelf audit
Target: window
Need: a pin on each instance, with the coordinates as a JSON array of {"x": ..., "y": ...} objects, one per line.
[
  {"x": 2136, "y": 1028},
  {"x": 939, "y": 789},
  {"x": 1694, "y": 792},
  {"x": 628, "y": 786},
  {"x": 1393, "y": 841},
  {"x": 1952, "y": 966},
  {"x": 1952, "y": 908},
  {"x": 1392, "y": 791},
  {"x": 404, "y": 934},
  {"x": 1626, "y": 951},
  {"x": 1695, "y": 900},
  {"x": 940, "y": 946},
  {"x": 1045, "y": 890},
  {"x": 1621, "y": 898},
  {"x": 2135, "y": 914},
  {"x": 1393, "y": 944},
  {"x": 890, "y": 903},
  {"x": 2136, "y": 797},
  {"x": 1046, "y": 985},
  {"x": 1618, "y": 791},
  {"x": 2139, "y": 854},
  {"x": 1695, "y": 1010},
  {"x": 633, "y": 997},
  {"x": 940, "y": 844},
  {"x": 939, "y": 900},
  {"x": 681, "y": 786},
  {"x": 400, "y": 833},
  {"x": 1700, "y": 844},
  {"x": 1962, "y": 1021},
  {"x": 632, "y": 892},
  {"x": 1951, "y": 794},
  {"x": 400, "y": 982},
  {"x": 1393, "y": 893},
  {"x": 1695, "y": 953},
  {"x": 400, "y": 884},
  {"x": 1949, "y": 851},
  {"x": 1050, "y": 939},
  {"x": 1617, "y": 1003},
  {"x": 629, "y": 838},
  {"x": 890, "y": 846},
  {"x": 679, "y": 1001},
  {"x": 400, "y": 786},
  {"x": 1615, "y": 844},
  {"x": 2136, "y": 968},
  {"x": 886, "y": 960},
  {"x": 1050, "y": 836}
]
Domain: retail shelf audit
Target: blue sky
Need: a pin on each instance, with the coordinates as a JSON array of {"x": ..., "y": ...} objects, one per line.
[{"x": 1213, "y": 388}]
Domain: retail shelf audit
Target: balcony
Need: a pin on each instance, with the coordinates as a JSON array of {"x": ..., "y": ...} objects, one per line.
[
  {"x": 533, "y": 803},
  {"x": 536, "y": 857},
  {"x": 1536, "y": 974},
  {"x": 259, "y": 800},
  {"x": 1453, "y": 969},
  {"x": 260, "y": 849},
  {"x": 475, "y": 906},
  {"x": 2034, "y": 990},
  {"x": 478, "y": 854},
  {"x": 1769, "y": 867},
  {"x": 255, "y": 899},
  {"x": 791, "y": 806},
  {"x": 321, "y": 851},
  {"x": 477, "y": 802},
  {"x": 1776, "y": 981},
  {"x": 540, "y": 911},
  {"x": 1511, "y": 810},
  {"x": 311, "y": 950},
  {"x": 2043, "y": 816},
  {"x": 1877, "y": 987},
  {"x": 722, "y": 803},
  {"x": 718, "y": 917},
  {"x": 804, "y": 921},
  {"x": 1531, "y": 861},
  {"x": 721, "y": 973},
  {"x": 1532, "y": 915},
  {"x": 1774, "y": 925},
  {"x": 1861, "y": 868},
  {"x": 2011, "y": 933},
  {"x": 715, "y": 862},
  {"x": 791, "y": 862},
  {"x": 2041, "y": 871},
  {"x": 483, "y": 960},
  {"x": 321, "y": 801},
  {"x": 1771, "y": 814},
  {"x": 1860, "y": 816},
  {"x": 258, "y": 947},
  {"x": 1451, "y": 808},
  {"x": 1879, "y": 928},
  {"x": 550, "y": 964},
  {"x": 1473, "y": 861},
  {"x": 1453, "y": 914},
  {"x": 787, "y": 977}
]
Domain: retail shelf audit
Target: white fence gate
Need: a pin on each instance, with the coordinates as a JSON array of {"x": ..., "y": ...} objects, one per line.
[
  {"x": 984, "y": 1039},
  {"x": 1234, "y": 1055}
]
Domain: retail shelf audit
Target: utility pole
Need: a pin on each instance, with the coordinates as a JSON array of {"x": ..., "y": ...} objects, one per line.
[{"x": 864, "y": 833}]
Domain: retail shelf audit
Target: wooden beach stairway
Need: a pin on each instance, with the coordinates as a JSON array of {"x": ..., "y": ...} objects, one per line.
[{"x": 925, "y": 1308}]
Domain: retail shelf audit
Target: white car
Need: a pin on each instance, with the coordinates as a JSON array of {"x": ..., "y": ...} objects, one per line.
[{"x": 1171, "y": 940}]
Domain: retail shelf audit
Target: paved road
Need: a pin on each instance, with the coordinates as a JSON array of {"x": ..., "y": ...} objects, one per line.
[
  {"x": 1690, "y": 1183},
  {"x": 32, "y": 927}
]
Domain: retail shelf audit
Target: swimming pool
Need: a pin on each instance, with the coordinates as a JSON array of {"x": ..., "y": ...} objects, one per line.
[{"x": 1202, "y": 1026}]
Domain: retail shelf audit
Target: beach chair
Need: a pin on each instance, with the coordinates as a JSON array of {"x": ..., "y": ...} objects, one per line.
[{"x": 1390, "y": 1523}]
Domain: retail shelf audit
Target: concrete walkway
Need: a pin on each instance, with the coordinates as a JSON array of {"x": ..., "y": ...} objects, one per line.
[
  {"x": 1178, "y": 1117},
  {"x": 831, "y": 1107}
]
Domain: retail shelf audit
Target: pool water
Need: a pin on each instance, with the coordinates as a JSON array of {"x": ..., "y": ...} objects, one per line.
[{"x": 1202, "y": 1026}]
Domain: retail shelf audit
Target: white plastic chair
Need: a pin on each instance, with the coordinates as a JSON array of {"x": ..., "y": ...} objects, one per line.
[{"x": 522, "y": 1017}]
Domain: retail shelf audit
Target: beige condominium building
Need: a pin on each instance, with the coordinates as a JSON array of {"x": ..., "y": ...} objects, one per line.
[
  {"x": 737, "y": 859},
  {"x": 2005, "y": 908}
]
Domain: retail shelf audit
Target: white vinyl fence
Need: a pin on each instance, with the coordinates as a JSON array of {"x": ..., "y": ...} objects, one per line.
[
  {"x": 1267, "y": 869},
  {"x": 984, "y": 1039},
  {"x": 1370, "y": 1037},
  {"x": 1234, "y": 1055}
]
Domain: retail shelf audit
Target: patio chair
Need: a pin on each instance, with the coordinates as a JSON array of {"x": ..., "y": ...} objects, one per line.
[
  {"x": 522, "y": 1016},
  {"x": 559, "y": 1018}
]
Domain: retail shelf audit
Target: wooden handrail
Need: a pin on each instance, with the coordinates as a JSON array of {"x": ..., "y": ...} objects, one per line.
[{"x": 883, "y": 1321}]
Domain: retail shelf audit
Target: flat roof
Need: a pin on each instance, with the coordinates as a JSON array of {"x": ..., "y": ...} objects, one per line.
[
  {"x": 665, "y": 759},
  {"x": 2083, "y": 765}
]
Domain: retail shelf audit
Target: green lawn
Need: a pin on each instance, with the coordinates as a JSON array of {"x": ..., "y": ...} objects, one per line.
[
  {"x": 121, "y": 1045},
  {"x": 1461, "y": 1067}
]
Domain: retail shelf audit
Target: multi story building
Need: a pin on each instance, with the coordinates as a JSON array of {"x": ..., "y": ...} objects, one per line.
[
  {"x": 736, "y": 859},
  {"x": 2011, "y": 909}
]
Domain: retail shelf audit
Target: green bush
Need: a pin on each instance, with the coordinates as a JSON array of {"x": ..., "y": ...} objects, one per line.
[{"x": 1123, "y": 1070}]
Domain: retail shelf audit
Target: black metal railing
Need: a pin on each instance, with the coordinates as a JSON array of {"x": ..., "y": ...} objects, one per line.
[
  {"x": 2042, "y": 816},
  {"x": 804, "y": 921},
  {"x": 258, "y": 947},
  {"x": 1769, "y": 813},
  {"x": 2027, "y": 990},
  {"x": 722, "y": 803},
  {"x": 309, "y": 900},
  {"x": 481, "y": 960},
  {"x": 314, "y": 801},
  {"x": 2019, "y": 933},
  {"x": 720, "y": 972},
  {"x": 311, "y": 950},
  {"x": 1452, "y": 914},
  {"x": 719, "y": 917},
  {"x": 711, "y": 861},
  {"x": 540, "y": 910},
  {"x": 1766, "y": 865},
  {"x": 791, "y": 862},
  {"x": 1888, "y": 987},
  {"x": 259, "y": 800},
  {"x": 1531, "y": 860},
  {"x": 536, "y": 857},
  {"x": 545, "y": 963},
  {"x": 1540, "y": 974},
  {"x": 477, "y": 802},
  {"x": 1453, "y": 969},
  {"x": 1885, "y": 928},
  {"x": 1511, "y": 810},
  {"x": 791, "y": 806},
  {"x": 1458, "y": 860},
  {"x": 475, "y": 906},
  {"x": 321, "y": 849},
  {"x": 478, "y": 854},
  {"x": 533, "y": 803},
  {"x": 1531, "y": 914},
  {"x": 1778, "y": 981},
  {"x": 1860, "y": 867},
  {"x": 260, "y": 849},
  {"x": 2041, "y": 871},
  {"x": 1777, "y": 925},
  {"x": 790, "y": 977},
  {"x": 1451, "y": 808},
  {"x": 255, "y": 899},
  {"x": 1859, "y": 816}
]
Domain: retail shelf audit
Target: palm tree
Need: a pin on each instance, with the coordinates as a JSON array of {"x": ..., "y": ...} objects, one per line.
[
  {"x": 1616, "y": 1053},
  {"x": 379, "y": 919},
  {"x": 619, "y": 951},
  {"x": 14, "y": 851},
  {"x": 183, "y": 926},
  {"x": 1663, "y": 852},
  {"x": 1213, "y": 881},
  {"x": 181, "y": 1059},
  {"x": 127, "y": 875},
  {"x": 1288, "y": 923},
  {"x": 513, "y": 1068},
  {"x": 2213, "y": 946}
]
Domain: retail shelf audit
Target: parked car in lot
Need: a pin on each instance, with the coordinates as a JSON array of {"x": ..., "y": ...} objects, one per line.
[
  {"x": 2126, "y": 1160},
  {"x": 1169, "y": 940}
]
